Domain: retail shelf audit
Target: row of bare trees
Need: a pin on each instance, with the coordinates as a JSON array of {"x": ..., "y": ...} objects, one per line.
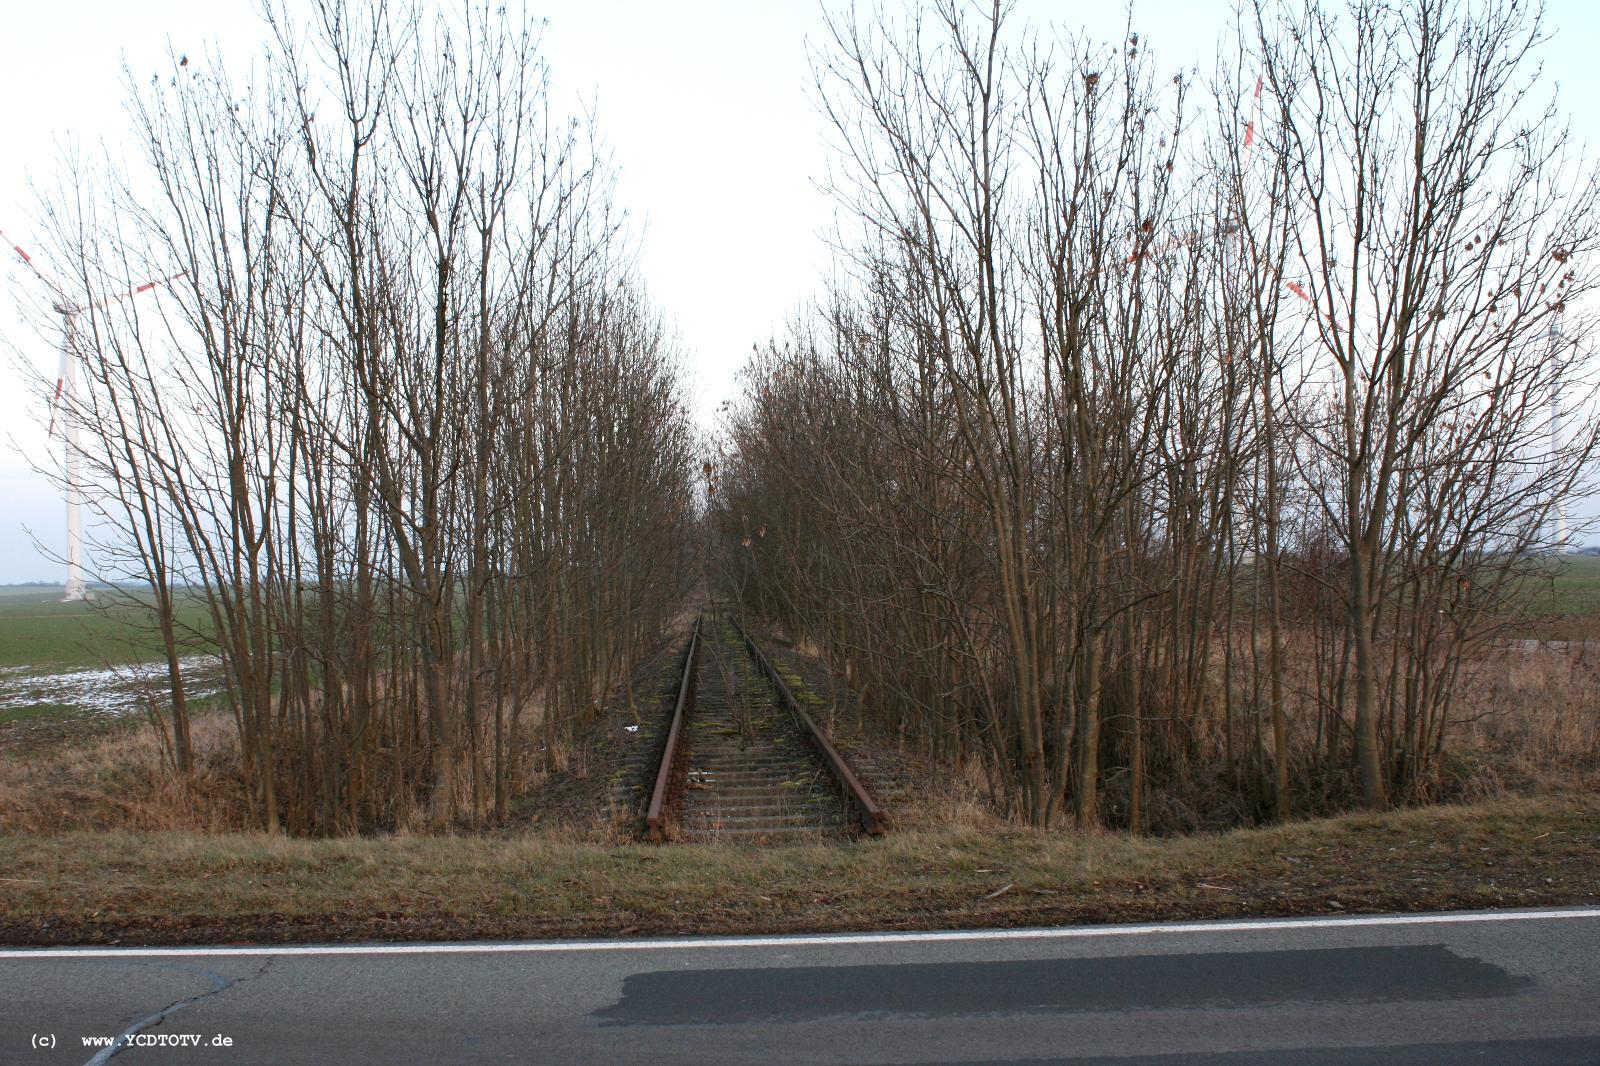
[
  {"x": 406, "y": 444},
  {"x": 1160, "y": 440}
]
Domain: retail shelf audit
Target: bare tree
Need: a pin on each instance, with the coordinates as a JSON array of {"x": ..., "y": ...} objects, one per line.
[
  {"x": 1439, "y": 229},
  {"x": 408, "y": 397},
  {"x": 1148, "y": 459}
]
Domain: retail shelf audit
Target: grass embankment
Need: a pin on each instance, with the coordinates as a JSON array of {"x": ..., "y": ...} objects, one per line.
[{"x": 171, "y": 887}]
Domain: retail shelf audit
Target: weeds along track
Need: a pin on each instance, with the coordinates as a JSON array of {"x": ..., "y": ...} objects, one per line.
[{"x": 742, "y": 761}]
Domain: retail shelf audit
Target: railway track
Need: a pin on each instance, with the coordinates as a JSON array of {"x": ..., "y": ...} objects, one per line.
[{"x": 742, "y": 760}]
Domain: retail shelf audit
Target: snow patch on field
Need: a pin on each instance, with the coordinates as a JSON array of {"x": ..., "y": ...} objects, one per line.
[{"x": 115, "y": 691}]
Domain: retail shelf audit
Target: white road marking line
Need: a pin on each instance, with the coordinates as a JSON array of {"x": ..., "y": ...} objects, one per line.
[
  {"x": 823, "y": 939},
  {"x": 218, "y": 983}
]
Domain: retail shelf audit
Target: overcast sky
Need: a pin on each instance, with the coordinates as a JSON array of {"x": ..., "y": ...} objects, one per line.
[{"x": 703, "y": 102}]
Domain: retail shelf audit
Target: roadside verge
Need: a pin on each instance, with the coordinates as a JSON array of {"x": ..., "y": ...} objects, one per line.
[{"x": 163, "y": 888}]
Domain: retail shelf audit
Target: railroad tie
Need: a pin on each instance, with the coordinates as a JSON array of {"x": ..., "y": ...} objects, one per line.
[{"x": 751, "y": 775}]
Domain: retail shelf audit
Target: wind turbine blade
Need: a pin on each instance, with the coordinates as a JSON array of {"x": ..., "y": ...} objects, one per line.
[
  {"x": 136, "y": 290},
  {"x": 40, "y": 274},
  {"x": 1255, "y": 117},
  {"x": 55, "y": 399}
]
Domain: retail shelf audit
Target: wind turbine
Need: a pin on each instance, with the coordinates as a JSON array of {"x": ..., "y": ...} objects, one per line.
[
  {"x": 1553, "y": 338},
  {"x": 67, "y": 389}
]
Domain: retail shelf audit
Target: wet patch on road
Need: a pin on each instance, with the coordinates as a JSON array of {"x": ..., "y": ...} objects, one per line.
[{"x": 1141, "y": 982}]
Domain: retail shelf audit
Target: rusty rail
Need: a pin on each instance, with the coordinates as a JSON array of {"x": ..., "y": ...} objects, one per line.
[
  {"x": 867, "y": 810},
  {"x": 654, "y": 815}
]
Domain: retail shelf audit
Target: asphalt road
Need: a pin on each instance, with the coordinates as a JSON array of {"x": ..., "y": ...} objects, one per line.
[{"x": 1512, "y": 987}]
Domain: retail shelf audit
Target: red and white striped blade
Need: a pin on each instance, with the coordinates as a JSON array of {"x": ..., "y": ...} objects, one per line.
[
  {"x": 137, "y": 289},
  {"x": 49, "y": 282},
  {"x": 55, "y": 399},
  {"x": 1255, "y": 117}
]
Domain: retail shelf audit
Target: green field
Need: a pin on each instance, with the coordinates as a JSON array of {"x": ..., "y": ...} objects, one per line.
[
  {"x": 54, "y": 656},
  {"x": 39, "y": 634},
  {"x": 1572, "y": 589},
  {"x": 1564, "y": 602}
]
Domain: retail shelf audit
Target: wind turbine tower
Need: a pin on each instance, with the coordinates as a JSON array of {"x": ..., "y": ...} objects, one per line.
[
  {"x": 1553, "y": 344},
  {"x": 65, "y": 392}
]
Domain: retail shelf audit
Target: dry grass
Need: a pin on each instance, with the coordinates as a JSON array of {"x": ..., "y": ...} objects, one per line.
[
  {"x": 1523, "y": 721},
  {"x": 1527, "y": 722},
  {"x": 185, "y": 886},
  {"x": 1536, "y": 713},
  {"x": 120, "y": 780},
  {"x": 98, "y": 844}
]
